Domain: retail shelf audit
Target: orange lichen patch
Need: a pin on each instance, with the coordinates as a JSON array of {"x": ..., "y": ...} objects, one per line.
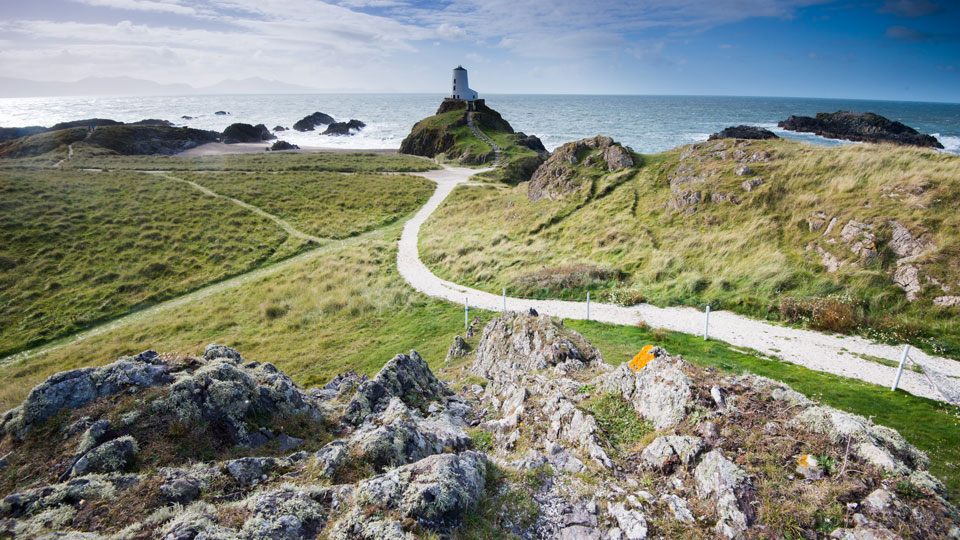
[{"x": 645, "y": 355}]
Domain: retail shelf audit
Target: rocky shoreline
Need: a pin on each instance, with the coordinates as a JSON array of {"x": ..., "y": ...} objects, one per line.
[{"x": 864, "y": 127}]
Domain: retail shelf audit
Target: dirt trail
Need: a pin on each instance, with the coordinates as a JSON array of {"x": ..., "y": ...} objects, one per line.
[{"x": 836, "y": 354}]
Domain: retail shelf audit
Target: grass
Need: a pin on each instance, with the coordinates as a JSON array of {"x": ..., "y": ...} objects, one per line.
[
  {"x": 91, "y": 157},
  {"x": 344, "y": 309},
  {"x": 743, "y": 257},
  {"x": 931, "y": 426},
  {"x": 326, "y": 204},
  {"x": 76, "y": 248},
  {"x": 620, "y": 427}
]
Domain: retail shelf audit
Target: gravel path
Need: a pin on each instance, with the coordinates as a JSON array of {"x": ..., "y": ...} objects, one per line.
[{"x": 835, "y": 354}]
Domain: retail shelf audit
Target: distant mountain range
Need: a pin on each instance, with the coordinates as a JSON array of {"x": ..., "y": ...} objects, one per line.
[{"x": 128, "y": 86}]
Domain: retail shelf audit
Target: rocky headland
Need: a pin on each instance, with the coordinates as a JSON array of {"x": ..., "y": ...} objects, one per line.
[
  {"x": 567, "y": 169},
  {"x": 542, "y": 439},
  {"x": 744, "y": 132},
  {"x": 857, "y": 126}
]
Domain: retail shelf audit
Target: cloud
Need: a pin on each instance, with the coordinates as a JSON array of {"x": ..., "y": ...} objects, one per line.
[
  {"x": 902, "y": 33},
  {"x": 909, "y": 8},
  {"x": 160, "y": 6},
  {"x": 451, "y": 32}
]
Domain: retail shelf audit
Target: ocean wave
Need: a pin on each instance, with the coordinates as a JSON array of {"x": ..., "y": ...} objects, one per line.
[{"x": 950, "y": 144}]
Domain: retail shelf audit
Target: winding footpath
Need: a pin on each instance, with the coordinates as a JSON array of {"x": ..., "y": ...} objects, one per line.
[{"x": 836, "y": 354}]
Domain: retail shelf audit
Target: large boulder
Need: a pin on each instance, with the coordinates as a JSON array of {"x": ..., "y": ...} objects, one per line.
[
  {"x": 311, "y": 121},
  {"x": 558, "y": 176},
  {"x": 857, "y": 126},
  {"x": 245, "y": 133}
]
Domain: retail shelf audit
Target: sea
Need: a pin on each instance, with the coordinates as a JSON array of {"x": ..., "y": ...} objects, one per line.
[{"x": 648, "y": 124}]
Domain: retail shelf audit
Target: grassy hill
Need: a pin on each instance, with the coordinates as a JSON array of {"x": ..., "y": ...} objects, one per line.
[
  {"x": 448, "y": 137},
  {"x": 696, "y": 225}
]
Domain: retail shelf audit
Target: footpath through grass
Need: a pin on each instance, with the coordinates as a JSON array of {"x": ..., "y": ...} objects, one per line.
[
  {"x": 931, "y": 426},
  {"x": 326, "y": 204},
  {"x": 80, "y": 247},
  {"x": 342, "y": 310}
]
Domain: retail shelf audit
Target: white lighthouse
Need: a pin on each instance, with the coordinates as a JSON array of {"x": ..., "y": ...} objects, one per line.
[{"x": 461, "y": 90}]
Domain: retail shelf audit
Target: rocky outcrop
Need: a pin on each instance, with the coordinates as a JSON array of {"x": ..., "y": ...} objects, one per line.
[
  {"x": 283, "y": 145},
  {"x": 10, "y": 133},
  {"x": 152, "y": 122},
  {"x": 245, "y": 133},
  {"x": 861, "y": 240},
  {"x": 311, "y": 121},
  {"x": 744, "y": 132},
  {"x": 660, "y": 392},
  {"x": 558, "y": 176},
  {"x": 344, "y": 128},
  {"x": 551, "y": 445},
  {"x": 856, "y": 126},
  {"x": 530, "y": 141}
]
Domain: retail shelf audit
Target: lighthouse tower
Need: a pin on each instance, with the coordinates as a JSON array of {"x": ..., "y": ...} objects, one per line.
[{"x": 461, "y": 90}]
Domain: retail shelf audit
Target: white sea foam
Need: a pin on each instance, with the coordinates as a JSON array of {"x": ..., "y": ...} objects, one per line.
[{"x": 950, "y": 144}]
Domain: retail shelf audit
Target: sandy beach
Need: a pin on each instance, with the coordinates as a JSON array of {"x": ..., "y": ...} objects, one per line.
[{"x": 218, "y": 149}]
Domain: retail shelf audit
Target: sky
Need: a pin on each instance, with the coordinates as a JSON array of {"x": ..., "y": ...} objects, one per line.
[{"x": 884, "y": 49}]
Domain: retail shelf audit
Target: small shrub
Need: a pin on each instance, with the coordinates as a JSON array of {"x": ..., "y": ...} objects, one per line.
[
  {"x": 833, "y": 314},
  {"x": 482, "y": 440}
]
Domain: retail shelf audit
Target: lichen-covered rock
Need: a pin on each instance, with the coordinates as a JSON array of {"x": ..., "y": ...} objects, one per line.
[
  {"x": 214, "y": 351},
  {"x": 525, "y": 343},
  {"x": 752, "y": 184},
  {"x": 458, "y": 349},
  {"x": 907, "y": 277},
  {"x": 76, "y": 388},
  {"x": 660, "y": 392},
  {"x": 289, "y": 512},
  {"x": 878, "y": 445},
  {"x": 729, "y": 487},
  {"x": 405, "y": 376},
  {"x": 669, "y": 450},
  {"x": 632, "y": 522},
  {"x": 678, "y": 507},
  {"x": 436, "y": 491},
  {"x": 110, "y": 456},
  {"x": 250, "y": 471},
  {"x": 569, "y": 423}
]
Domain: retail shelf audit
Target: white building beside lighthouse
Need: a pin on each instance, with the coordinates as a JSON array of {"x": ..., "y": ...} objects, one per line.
[{"x": 461, "y": 89}]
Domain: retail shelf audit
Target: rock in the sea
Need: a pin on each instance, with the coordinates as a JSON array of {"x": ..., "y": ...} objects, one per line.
[
  {"x": 744, "y": 132},
  {"x": 279, "y": 128},
  {"x": 344, "y": 128},
  {"x": 557, "y": 176},
  {"x": 283, "y": 145},
  {"x": 245, "y": 133},
  {"x": 221, "y": 113},
  {"x": 856, "y": 126},
  {"x": 311, "y": 121}
]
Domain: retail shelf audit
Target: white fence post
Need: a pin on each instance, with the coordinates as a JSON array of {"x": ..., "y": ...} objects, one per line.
[
  {"x": 504, "y": 299},
  {"x": 466, "y": 311},
  {"x": 903, "y": 361},
  {"x": 588, "y": 306},
  {"x": 706, "y": 325}
]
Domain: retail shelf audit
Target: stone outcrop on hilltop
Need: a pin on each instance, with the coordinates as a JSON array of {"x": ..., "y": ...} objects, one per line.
[
  {"x": 545, "y": 446},
  {"x": 744, "y": 132},
  {"x": 856, "y": 126},
  {"x": 559, "y": 175}
]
